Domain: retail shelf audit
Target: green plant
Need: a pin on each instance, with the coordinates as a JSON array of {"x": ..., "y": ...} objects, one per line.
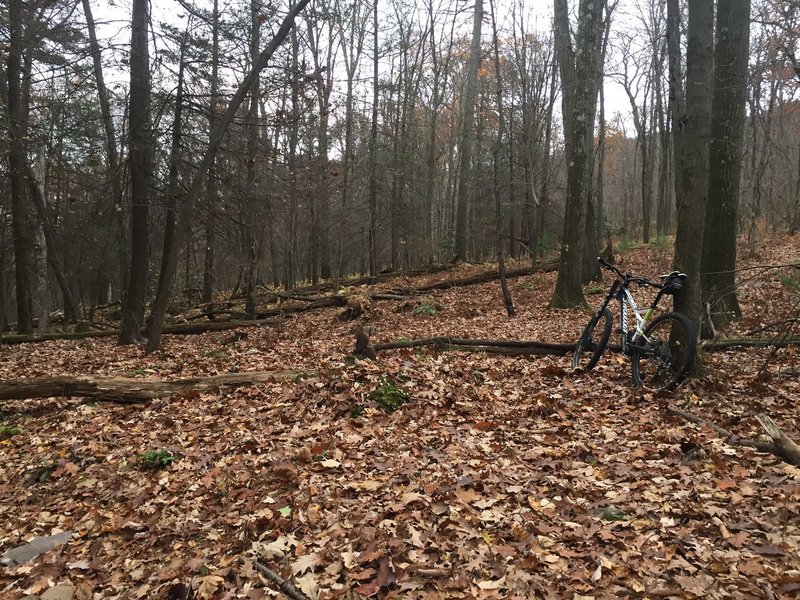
[
  {"x": 626, "y": 244},
  {"x": 356, "y": 411},
  {"x": 526, "y": 285},
  {"x": 662, "y": 243},
  {"x": 388, "y": 396},
  {"x": 8, "y": 431},
  {"x": 613, "y": 513},
  {"x": 156, "y": 459},
  {"x": 591, "y": 290},
  {"x": 790, "y": 282},
  {"x": 546, "y": 244},
  {"x": 424, "y": 308}
]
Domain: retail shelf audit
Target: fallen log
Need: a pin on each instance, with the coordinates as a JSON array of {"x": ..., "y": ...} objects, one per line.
[
  {"x": 508, "y": 347},
  {"x": 178, "y": 329},
  {"x": 324, "y": 302},
  {"x": 751, "y": 343},
  {"x": 487, "y": 276},
  {"x": 130, "y": 390},
  {"x": 781, "y": 445}
]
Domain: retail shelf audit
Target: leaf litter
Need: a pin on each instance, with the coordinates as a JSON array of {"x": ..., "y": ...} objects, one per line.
[{"x": 501, "y": 477}]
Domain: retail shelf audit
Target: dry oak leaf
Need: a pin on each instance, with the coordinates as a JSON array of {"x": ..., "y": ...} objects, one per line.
[
  {"x": 209, "y": 586},
  {"x": 307, "y": 562},
  {"x": 697, "y": 585}
]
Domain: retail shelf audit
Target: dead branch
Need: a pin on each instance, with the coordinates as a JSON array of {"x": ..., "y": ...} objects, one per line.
[
  {"x": 284, "y": 586},
  {"x": 509, "y": 347},
  {"x": 129, "y": 390},
  {"x": 781, "y": 445},
  {"x": 179, "y": 329},
  {"x": 784, "y": 446},
  {"x": 751, "y": 343}
]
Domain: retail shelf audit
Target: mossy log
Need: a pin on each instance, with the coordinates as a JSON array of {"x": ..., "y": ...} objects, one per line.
[{"x": 129, "y": 390}]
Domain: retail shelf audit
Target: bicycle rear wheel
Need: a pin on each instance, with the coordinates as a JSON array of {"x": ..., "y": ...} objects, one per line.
[
  {"x": 593, "y": 342},
  {"x": 665, "y": 356}
]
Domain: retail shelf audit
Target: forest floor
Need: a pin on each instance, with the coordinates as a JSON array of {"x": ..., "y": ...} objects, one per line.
[{"x": 500, "y": 477}]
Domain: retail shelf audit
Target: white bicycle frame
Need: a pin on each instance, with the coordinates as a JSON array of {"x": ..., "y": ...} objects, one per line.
[{"x": 641, "y": 322}]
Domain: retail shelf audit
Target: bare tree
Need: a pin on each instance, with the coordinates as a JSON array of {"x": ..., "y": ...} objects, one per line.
[
  {"x": 466, "y": 141},
  {"x": 187, "y": 207}
]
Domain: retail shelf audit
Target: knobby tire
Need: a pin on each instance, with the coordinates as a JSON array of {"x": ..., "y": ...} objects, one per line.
[
  {"x": 667, "y": 353},
  {"x": 589, "y": 345}
]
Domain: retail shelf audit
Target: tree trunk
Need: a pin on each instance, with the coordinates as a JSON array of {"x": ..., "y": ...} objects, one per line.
[
  {"x": 185, "y": 213},
  {"x": 140, "y": 158},
  {"x": 373, "y": 149},
  {"x": 725, "y": 160},
  {"x": 251, "y": 185},
  {"x": 466, "y": 141},
  {"x": 209, "y": 262},
  {"x": 498, "y": 213},
  {"x": 20, "y": 223},
  {"x": 691, "y": 134},
  {"x": 579, "y": 82},
  {"x": 172, "y": 176}
]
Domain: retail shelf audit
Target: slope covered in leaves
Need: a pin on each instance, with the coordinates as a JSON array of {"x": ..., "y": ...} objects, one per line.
[{"x": 499, "y": 477}]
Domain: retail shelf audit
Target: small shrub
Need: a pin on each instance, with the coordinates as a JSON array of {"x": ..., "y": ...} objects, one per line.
[
  {"x": 8, "y": 431},
  {"x": 626, "y": 244},
  {"x": 547, "y": 244},
  {"x": 594, "y": 289},
  {"x": 662, "y": 243},
  {"x": 156, "y": 459},
  {"x": 388, "y": 396},
  {"x": 790, "y": 282},
  {"x": 424, "y": 308},
  {"x": 526, "y": 285}
]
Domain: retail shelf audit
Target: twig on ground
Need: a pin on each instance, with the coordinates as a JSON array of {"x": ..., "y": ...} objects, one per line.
[{"x": 284, "y": 586}]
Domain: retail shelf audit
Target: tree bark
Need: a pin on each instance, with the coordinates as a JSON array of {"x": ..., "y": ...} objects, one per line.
[
  {"x": 252, "y": 187},
  {"x": 725, "y": 160},
  {"x": 209, "y": 259},
  {"x": 465, "y": 140},
  {"x": 580, "y": 74},
  {"x": 20, "y": 222},
  {"x": 691, "y": 135},
  {"x": 140, "y": 158},
  {"x": 373, "y": 149}
]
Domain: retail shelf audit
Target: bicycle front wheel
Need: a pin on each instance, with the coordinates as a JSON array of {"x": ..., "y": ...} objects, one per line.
[
  {"x": 666, "y": 354},
  {"x": 593, "y": 342}
]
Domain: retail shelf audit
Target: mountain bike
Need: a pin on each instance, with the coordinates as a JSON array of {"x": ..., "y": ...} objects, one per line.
[{"x": 662, "y": 349}]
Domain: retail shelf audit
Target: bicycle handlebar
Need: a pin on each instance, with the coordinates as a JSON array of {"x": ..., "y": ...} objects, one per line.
[{"x": 627, "y": 276}]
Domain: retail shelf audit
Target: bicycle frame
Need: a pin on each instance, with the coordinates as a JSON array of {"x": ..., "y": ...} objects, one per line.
[{"x": 619, "y": 291}]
